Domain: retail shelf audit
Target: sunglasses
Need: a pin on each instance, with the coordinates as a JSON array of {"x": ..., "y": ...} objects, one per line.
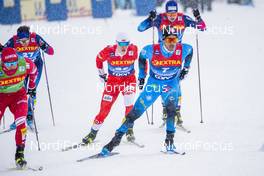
[
  {"x": 23, "y": 40},
  {"x": 11, "y": 64},
  {"x": 171, "y": 14},
  {"x": 123, "y": 43},
  {"x": 171, "y": 40}
]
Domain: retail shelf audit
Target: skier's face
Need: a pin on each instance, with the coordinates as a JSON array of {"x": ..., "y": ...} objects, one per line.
[
  {"x": 170, "y": 42},
  {"x": 172, "y": 16},
  {"x": 11, "y": 65},
  {"x": 24, "y": 41},
  {"x": 122, "y": 47}
]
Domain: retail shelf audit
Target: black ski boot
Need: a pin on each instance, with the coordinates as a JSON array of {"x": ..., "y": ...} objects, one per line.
[
  {"x": 114, "y": 142},
  {"x": 90, "y": 137},
  {"x": 19, "y": 157},
  {"x": 169, "y": 143},
  {"x": 130, "y": 135},
  {"x": 179, "y": 118}
]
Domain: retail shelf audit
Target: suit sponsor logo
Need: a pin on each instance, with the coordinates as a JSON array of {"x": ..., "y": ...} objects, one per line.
[
  {"x": 108, "y": 98},
  {"x": 12, "y": 81}
]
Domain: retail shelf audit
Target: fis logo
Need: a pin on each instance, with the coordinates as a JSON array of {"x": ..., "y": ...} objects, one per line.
[{"x": 108, "y": 98}]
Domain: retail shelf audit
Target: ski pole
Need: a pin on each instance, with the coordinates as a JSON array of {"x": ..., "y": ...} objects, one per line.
[
  {"x": 153, "y": 42},
  {"x": 199, "y": 78},
  {"x": 47, "y": 83},
  {"x": 3, "y": 121},
  {"x": 34, "y": 120},
  {"x": 147, "y": 116}
]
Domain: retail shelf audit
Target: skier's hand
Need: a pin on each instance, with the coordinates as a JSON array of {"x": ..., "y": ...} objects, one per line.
[
  {"x": 44, "y": 47},
  {"x": 1, "y": 47},
  {"x": 141, "y": 83},
  {"x": 152, "y": 15},
  {"x": 183, "y": 73},
  {"x": 103, "y": 77},
  {"x": 32, "y": 92},
  {"x": 196, "y": 14}
]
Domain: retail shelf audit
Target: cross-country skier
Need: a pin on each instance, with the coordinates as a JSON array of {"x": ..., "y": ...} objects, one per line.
[
  {"x": 28, "y": 44},
  {"x": 13, "y": 71},
  {"x": 179, "y": 22},
  {"x": 165, "y": 63},
  {"x": 121, "y": 79}
]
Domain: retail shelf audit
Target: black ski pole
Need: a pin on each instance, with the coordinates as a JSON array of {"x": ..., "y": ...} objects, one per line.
[
  {"x": 47, "y": 83},
  {"x": 34, "y": 120},
  {"x": 199, "y": 78}
]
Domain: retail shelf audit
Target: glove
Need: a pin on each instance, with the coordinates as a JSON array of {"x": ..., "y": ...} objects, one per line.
[
  {"x": 196, "y": 14},
  {"x": 152, "y": 15},
  {"x": 1, "y": 48},
  {"x": 32, "y": 92},
  {"x": 44, "y": 47},
  {"x": 183, "y": 73},
  {"x": 141, "y": 83},
  {"x": 103, "y": 77}
]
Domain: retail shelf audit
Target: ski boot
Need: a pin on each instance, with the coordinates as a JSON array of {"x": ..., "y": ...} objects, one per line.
[
  {"x": 130, "y": 135},
  {"x": 115, "y": 141},
  {"x": 19, "y": 157},
  {"x": 30, "y": 122},
  {"x": 169, "y": 146},
  {"x": 90, "y": 137}
]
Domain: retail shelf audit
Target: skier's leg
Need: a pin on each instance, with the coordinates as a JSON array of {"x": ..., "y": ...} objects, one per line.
[
  {"x": 170, "y": 99},
  {"x": 129, "y": 97},
  {"x": 146, "y": 99},
  {"x": 19, "y": 108},
  {"x": 108, "y": 99},
  {"x": 39, "y": 65}
]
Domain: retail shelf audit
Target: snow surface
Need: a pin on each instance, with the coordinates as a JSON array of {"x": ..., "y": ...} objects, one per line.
[{"x": 230, "y": 142}]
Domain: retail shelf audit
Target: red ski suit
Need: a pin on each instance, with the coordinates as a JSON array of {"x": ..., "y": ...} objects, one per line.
[
  {"x": 121, "y": 78},
  {"x": 17, "y": 101}
]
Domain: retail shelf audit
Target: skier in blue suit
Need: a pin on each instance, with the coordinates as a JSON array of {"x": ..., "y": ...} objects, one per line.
[{"x": 168, "y": 62}]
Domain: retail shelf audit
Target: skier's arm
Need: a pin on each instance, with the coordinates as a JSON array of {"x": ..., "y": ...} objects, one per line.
[
  {"x": 145, "y": 55},
  {"x": 9, "y": 43},
  {"x": 187, "y": 54},
  {"x": 44, "y": 45},
  {"x": 101, "y": 58},
  {"x": 147, "y": 23},
  {"x": 32, "y": 72},
  {"x": 189, "y": 22}
]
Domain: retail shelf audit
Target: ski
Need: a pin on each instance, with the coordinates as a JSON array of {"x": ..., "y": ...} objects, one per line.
[
  {"x": 182, "y": 128},
  {"x": 173, "y": 152},
  {"x": 27, "y": 168},
  {"x": 81, "y": 144},
  {"x": 7, "y": 131},
  {"x": 97, "y": 156},
  {"x": 136, "y": 144}
]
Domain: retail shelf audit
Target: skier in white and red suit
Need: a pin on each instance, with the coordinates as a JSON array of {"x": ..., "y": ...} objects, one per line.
[
  {"x": 13, "y": 95},
  {"x": 121, "y": 79}
]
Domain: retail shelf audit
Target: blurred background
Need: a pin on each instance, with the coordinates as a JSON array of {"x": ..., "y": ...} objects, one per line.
[{"x": 17, "y": 11}]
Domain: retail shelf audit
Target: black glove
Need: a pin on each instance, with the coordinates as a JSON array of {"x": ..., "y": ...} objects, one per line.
[
  {"x": 1, "y": 47},
  {"x": 183, "y": 73},
  {"x": 44, "y": 47},
  {"x": 32, "y": 92},
  {"x": 103, "y": 77},
  {"x": 152, "y": 15},
  {"x": 141, "y": 83},
  {"x": 196, "y": 14}
]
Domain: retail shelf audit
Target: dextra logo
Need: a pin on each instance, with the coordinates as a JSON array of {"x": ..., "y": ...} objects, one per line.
[
  {"x": 166, "y": 62},
  {"x": 12, "y": 81},
  {"x": 122, "y": 62},
  {"x": 27, "y": 48}
]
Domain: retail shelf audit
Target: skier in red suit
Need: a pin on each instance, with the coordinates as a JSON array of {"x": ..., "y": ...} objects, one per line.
[
  {"x": 13, "y": 71},
  {"x": 121, "y": 79}
]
